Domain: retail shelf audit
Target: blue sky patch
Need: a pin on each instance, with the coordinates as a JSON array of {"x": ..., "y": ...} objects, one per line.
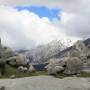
[{"x": 42, "y": 11}]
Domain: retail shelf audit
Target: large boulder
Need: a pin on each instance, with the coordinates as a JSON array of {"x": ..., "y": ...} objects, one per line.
[
  {"x": 51, "y": 71},
  {"x": 55, "y": 66},
  {"x": 58, "y": 69},
  {"x": 22, "y": 69},
  {"x": 58, "y": 61},
  {"x": 73, "y": 66},
  {"x": 17, "y": 60},
  {"x": 21, "y": 59},
  {"x": 80, "y": 46},
  {"x": 67, "y": 65},
  {"x": 7, "y": 52},
  {"x": 31, "y": 68}
]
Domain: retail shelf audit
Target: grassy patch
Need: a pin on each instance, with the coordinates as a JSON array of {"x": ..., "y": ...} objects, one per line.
[
  {"x": 13, "y": 71},
  {"x": 61, "y": 76},
  {"x": 84, "y": 75}
]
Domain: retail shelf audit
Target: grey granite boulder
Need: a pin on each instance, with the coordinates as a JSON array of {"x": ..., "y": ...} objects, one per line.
[
  {"x": 55, "y": 66},
  {"x": 73, "y": 66}
]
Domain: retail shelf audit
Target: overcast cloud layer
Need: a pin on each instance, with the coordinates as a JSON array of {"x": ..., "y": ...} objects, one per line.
[
  {"x": 20, "y": 29},
  {"x": 27, "y": 29},
  {"x": 67, "y": 5}
]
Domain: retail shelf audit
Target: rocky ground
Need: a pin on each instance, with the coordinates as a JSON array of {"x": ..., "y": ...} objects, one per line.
[{"x": 46, "y": 83}]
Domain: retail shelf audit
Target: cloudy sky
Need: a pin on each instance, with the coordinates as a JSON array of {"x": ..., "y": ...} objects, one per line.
[{"x": 28, "y": 23}]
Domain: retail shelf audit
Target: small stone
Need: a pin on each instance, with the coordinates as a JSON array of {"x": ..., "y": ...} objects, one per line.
[{"x": 12, "y": 76}]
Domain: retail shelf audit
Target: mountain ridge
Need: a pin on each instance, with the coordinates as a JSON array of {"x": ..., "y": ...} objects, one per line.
[{"x": 55, "y": 49}]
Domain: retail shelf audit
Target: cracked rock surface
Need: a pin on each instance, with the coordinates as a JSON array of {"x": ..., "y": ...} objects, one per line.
[{"x": 46, "y": 83}]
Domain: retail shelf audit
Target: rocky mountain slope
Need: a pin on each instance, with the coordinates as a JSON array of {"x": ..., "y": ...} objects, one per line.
[
  {"x": 54, "y": 49},
  {"x": 73, "y": 60},
  {"x": 64, "y": 52},
  {"x": 42, "y": 53},
  {"x": 49, "y": 83}
]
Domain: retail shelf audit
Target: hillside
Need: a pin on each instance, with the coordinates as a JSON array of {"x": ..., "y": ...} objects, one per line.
[
  {"x": 54, "y": 49},
  {"x": 42, "y": 53}
]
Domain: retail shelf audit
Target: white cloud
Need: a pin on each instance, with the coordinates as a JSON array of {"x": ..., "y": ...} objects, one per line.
[
  {"x": 75, "y": 17},
  {"x": 74, "y": 6},
  {"x": 67, "y": 5},
  {"x": 14, "y": 2},
  {"x": 74, "y": 24},
  {"x": 20, "y": 29}
]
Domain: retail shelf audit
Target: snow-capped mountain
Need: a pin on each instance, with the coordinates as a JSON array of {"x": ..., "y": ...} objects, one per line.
[{"x": 42, "y": 53}]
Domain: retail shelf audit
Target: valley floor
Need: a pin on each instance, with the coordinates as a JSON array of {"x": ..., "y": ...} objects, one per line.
[{"x": 46, "y": 83}]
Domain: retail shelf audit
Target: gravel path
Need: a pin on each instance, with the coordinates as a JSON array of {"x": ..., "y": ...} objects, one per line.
[{"x": 46, "y": 83}]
